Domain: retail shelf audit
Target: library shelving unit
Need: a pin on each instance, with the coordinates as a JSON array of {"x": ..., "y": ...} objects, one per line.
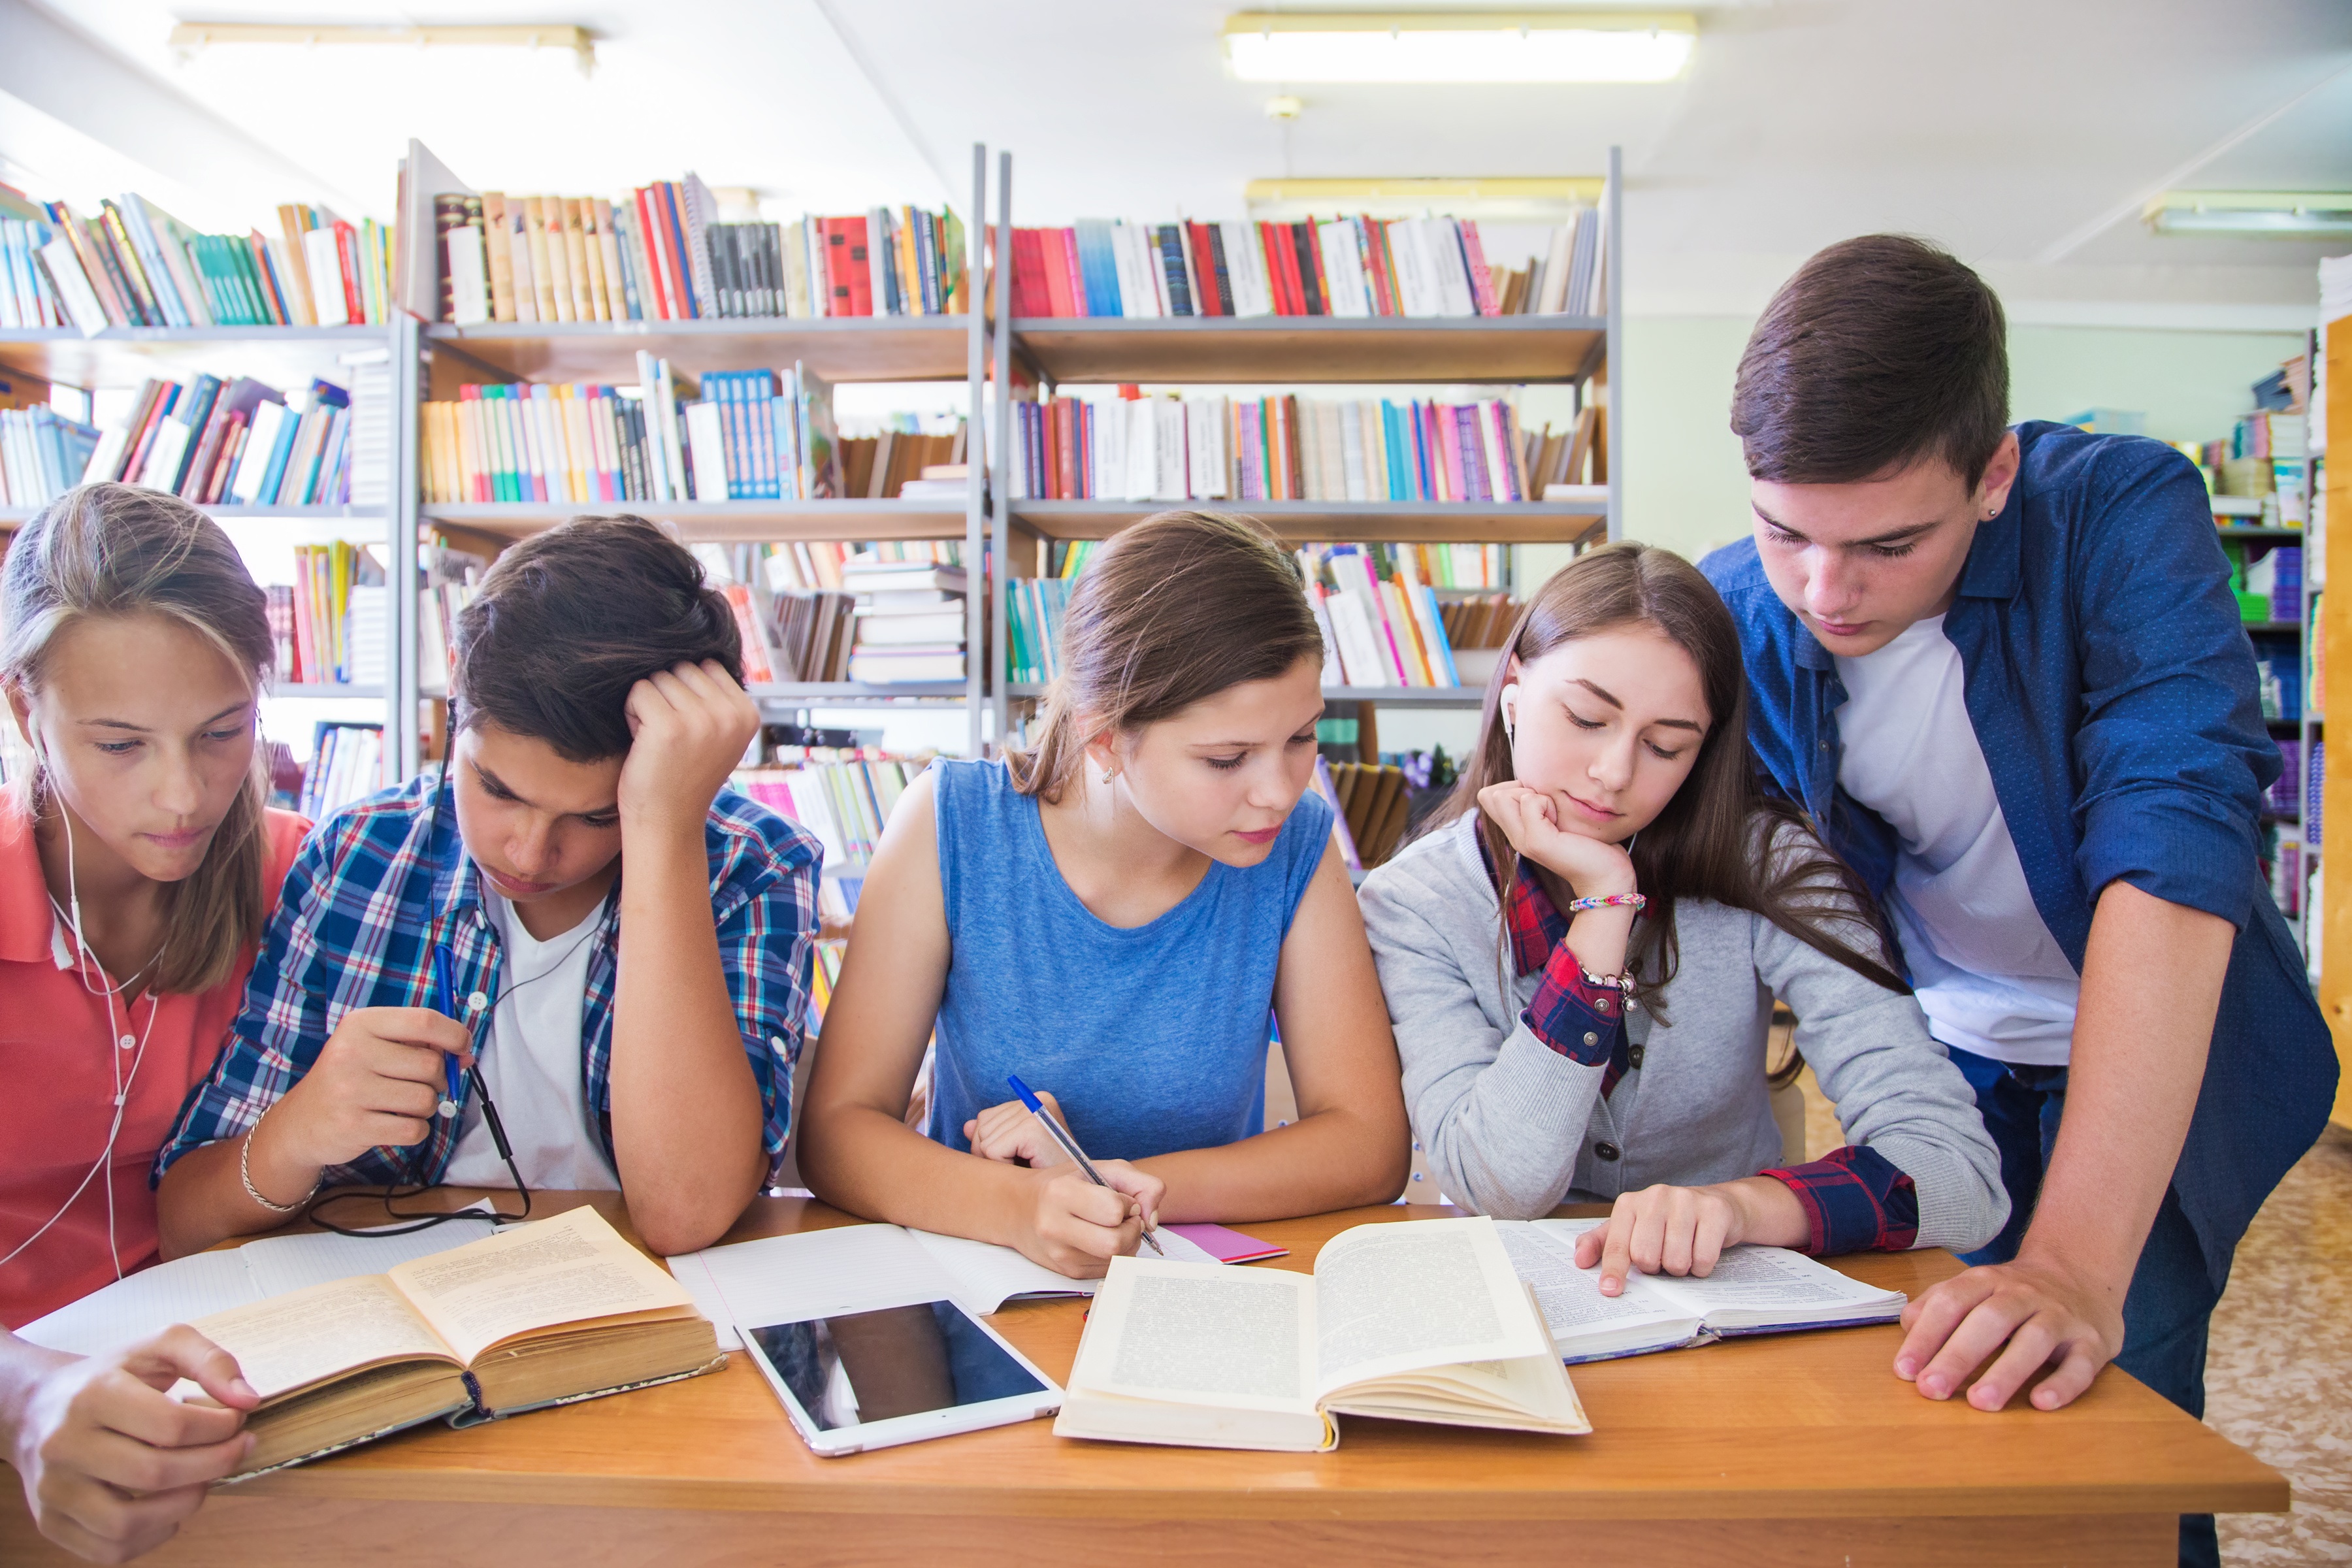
[
  {"x": 282, "y": 356},
  {"x": 1583, "y": 353},
  {"x": 840, "y": 349},
  {"x": 2331, "y": 942}
]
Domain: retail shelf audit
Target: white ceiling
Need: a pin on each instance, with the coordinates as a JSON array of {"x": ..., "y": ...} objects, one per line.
[{"x": 2023, "y": 133}]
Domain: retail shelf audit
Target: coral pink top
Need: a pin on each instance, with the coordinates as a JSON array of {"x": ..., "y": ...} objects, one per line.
[{"x": 58, "y": 1084}]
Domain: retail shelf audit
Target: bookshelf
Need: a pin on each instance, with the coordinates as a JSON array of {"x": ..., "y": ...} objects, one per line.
[
  {"x": 1584, "y": 353},
  {"x": 123, "y": 356},
  {"x": 2331, "y": 941}
]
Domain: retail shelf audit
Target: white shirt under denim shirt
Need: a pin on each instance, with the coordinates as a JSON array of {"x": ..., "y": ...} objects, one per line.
[{"x": 1512, "y": 1126}]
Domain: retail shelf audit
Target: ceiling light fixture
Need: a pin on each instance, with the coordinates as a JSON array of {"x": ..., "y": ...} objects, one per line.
[
  {"x": 1460, "y": 45},
  {"x": 2278, "y": 215},
  {"x": 188, "y": 37}
]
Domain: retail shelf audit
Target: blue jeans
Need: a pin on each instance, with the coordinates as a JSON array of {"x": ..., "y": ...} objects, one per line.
[{"x": 2173, "y": 1295}]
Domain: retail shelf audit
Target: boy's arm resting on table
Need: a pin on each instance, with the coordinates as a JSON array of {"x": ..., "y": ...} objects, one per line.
[
  {"x": 1501, "y": 1116},
  {"x": 856, "y": 1152},
  {"x": 1352, "y": 1144},
  {"x": 110, "y": 1462},
  {"x": 706, "y": 1021},
  {"x": 2167, "y": 751}
]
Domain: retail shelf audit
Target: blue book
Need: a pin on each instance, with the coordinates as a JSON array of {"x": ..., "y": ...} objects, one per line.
[{"x": 1099, "y": 268}]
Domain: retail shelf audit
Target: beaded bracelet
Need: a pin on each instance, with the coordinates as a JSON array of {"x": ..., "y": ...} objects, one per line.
[{"x": 1631, "y": 900}]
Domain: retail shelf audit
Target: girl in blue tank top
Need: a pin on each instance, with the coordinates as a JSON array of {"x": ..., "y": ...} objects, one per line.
[{"x": 1116, "y": 918}]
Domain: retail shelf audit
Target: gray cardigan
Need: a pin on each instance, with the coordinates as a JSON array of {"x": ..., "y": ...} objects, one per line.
[{"x": 1513, "y": 1128}]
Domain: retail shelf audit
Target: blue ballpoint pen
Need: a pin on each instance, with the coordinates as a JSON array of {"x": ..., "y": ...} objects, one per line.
[
  {"x": 446, "y": 1003},
  {"x": 1069, "y": 1144}
]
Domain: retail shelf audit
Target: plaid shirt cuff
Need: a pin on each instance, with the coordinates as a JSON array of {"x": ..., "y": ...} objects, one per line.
[
  {"x": 1583, "y": 1022},
  {"x": 1855, "y": 1201}
]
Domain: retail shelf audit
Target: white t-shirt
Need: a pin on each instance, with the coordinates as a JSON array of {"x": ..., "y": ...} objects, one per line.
[
  {"x": 1989, "y": 975},
  {"x": 530, "y": 1059}
]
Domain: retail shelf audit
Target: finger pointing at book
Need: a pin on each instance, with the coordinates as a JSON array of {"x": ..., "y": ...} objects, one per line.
[{"x": 110, "y": 1463}]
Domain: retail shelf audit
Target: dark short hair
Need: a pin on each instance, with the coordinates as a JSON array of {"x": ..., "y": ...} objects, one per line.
[
  {"x": 1880, "y": 352},
  {"x": 567, "y": 622}
]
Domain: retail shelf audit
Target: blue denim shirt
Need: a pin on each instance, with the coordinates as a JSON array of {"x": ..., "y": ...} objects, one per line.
[{"x": 2112, "y": 689}]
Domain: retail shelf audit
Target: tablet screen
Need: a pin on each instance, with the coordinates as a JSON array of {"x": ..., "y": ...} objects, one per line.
[{"x": 863, "y": 1367}]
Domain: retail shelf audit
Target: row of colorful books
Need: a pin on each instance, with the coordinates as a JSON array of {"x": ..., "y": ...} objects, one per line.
[
  {"x": 662, "y": 254},
  {"x": 347, "y": 763},
  {"x": 749, "y": 435},
  {"x": 134, "y": 264},
  {"x": 1378, "y": 629},
  {"x": 42, "y": 455},
  {"x": 843, "y": 801},
  {"x": 1279, "y": 449},
  {"x": 1032, "y": 623},
  {"x": 330, "y": 624},
  {"x": 235, "y": 442},
  {"x": 1355, "y": 266},
  {"x": 813, "y": 566}
]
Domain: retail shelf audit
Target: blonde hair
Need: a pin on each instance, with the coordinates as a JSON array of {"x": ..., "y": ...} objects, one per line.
[
  {"x": 1178, "y": 607},
  {"x": 109, "y": 551}
]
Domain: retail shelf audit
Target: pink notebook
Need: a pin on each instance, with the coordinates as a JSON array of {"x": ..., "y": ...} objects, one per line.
[{"x": 1228, "y": 1246}]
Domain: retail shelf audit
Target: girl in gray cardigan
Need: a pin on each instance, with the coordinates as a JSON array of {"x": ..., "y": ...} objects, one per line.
[{"x": 1580, "y": 962}]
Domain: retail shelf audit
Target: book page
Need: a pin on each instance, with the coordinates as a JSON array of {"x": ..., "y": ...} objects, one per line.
[
  {"x": 1201, "y": 1334},
  {"x": 145, "y": 1303},
  {"x": 986, "y": 1276},
  {"x": 568, "y": 1270},
  {"x": 292, "y": 1341},
  {"x": 1759, "y": 1281},
  {"x": 1570, "y": 1297},
  {"x": 813, "y": 1274},
  {"x": 1401, "y": 1296},
  {"x": 277, "y": 1263}
]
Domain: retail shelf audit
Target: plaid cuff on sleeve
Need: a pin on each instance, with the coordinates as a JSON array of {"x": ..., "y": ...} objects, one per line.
[
  {"x": 1583, "y": 1022},
  {"x": 1855, "y": 1201}
]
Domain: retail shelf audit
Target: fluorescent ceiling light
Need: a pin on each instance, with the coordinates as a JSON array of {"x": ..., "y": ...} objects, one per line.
[
  {"x": 188, "y": 37},
  {"x": 2281, "y": 215},
  {"x": 1460, "y": 45}
]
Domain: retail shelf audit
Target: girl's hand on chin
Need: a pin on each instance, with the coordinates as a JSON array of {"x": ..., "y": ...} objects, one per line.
[{"x": 1530, "y": 820}]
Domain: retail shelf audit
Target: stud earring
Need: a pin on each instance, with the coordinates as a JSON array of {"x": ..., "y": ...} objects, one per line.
[{"x": 1106, "y": 775}]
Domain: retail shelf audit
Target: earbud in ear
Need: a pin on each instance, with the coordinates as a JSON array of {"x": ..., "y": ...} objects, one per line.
[{"x": 1510, "y": 705}]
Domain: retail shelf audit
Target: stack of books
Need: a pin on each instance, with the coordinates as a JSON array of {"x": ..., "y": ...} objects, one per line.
[
  {"x": 1286, "y": 448},
  {"x": 1358, "y": 266},
  {"x": 236, "y": 442},
  {"x": 662, "y": 254},
  {"x": 910, "y": 621},
  {"x": 744, "y": 435},
  {"x": 347, "y": 763},
  {"x": 810, "y": 565},
  {"x": 134, "y": 264},
  {"x": 42, "y": 455},
  {"x": 329, "y": 624},
  {"x": 841, "y": 797}
]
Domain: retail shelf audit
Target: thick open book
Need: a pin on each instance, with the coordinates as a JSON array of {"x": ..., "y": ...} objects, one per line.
[
  {"x": 1411, "y": 1320},
  {"x": 537, "y": 1314},
  {"x": 1753, "y": 1290}
]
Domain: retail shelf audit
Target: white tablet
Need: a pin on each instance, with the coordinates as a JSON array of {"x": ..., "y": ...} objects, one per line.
[{"x": 867, "y": 1380}]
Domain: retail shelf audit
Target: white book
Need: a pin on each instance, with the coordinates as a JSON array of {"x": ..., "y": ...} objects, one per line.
[
  {"x": 324, "y": 261},
  {"x": 469, "y": 279},
  {"x": 1554, "y": 297},
  {"x": 1245, "y": 271},
  {"x": 1363, "y": 659},
  {"x": 1452, "y": 268},
  {"x": 253, "y": 466},
  {"x": 706, "y": 444},
  {"x": 1753, "y": 1290},
  {"x": 1133, "y": 291},
  {"x": 1171, "y": 466},
  {"x": 164, "y": 457},
  {"x": 1334, "y": 673},
  {"x": 1413, "y": 294},
  {"x": 1343, "y": 270},
  {"x": 74, "y": 292},
  {"x": 366, "y": 635},
  {"x": 1351, "y": 445},
  {"x": 901, "y": 630},
  {"x": 1142, "y": 480}
]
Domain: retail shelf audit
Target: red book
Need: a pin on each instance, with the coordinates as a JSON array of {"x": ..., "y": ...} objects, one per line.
[
  {"x": 841, "y": 282},
  {"x": 656, "y": 304},
  {"x": 1065, "y": 443},
  {"x": 347, "y": 251},
  {"x": 1307, "y": 239},
  {"x": 1274, "y": 281},
  {"x": 862, "y": 260},
  {"x": 1025, "y": 273},
  {"x": 232, "y": 449},
  {"x": 1376, "y": 265},
  {"x": 168, "y": 393},
  {"x": 1482, "y": 280},
  {"x": 1074, "y": 279},
  {"x": 674, "y": 235},
  {"x": 478, "y": 481},
  {"x": 1209, "y": 298},
  {"x": 1282, "y": 244}
]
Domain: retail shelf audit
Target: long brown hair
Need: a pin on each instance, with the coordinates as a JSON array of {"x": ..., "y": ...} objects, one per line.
[
  {"x": 108, "y": 551},
  {"x": 1178, "y": 607},
  {"x": 1721, "y": 836}
]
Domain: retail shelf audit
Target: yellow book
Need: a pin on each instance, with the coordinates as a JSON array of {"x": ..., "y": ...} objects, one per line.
[
  {"x": 543, "y": 276},
  {"x": 586, "y": 292},
  {"x": 499, "y": 252}
]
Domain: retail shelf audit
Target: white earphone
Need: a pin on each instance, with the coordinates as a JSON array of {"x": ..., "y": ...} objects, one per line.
[
  {"x": 1509, "y": 706},
  {"x": 118, "y": 1039}
]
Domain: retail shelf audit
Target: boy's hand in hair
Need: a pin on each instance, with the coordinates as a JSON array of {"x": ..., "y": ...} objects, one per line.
[{"x": 689, "y": 725}]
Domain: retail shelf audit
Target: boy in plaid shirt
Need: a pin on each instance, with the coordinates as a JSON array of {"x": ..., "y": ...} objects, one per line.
[{"x": 597, "y": 712}]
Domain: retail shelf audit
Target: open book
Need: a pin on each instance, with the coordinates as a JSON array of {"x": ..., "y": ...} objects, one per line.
[
  {"x": 854, "y": 1267},
  {"x": 538, "y": 1314},
  {"x": 1753, "y": 1290},
  {"x": 1411, "y": 1320}
]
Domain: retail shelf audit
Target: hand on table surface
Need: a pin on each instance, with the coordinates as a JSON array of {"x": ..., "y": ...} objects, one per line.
[{"x": 2018, "y": 1317}]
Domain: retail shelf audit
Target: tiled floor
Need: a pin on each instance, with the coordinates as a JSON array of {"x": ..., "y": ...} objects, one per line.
[{"x": 2278, "y": 1372}]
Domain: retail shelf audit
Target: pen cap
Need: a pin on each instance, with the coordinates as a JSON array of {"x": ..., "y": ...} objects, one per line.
[{"x": 1027, "y": 1098}]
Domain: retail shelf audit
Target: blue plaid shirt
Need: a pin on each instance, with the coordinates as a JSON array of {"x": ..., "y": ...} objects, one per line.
[
  {"x": 368, "y": 897},
  {"x": 2112, "y": 689}
]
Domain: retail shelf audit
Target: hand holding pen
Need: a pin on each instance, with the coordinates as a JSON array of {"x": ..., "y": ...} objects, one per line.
[{"x": 1084, "y": 1206}]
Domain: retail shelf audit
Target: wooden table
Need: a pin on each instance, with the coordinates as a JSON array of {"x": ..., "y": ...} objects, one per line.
[{"x": 1802, "y": 1449}]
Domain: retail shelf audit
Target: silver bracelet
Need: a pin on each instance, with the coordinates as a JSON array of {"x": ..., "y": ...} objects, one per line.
[{"x": 245, "y": 1174}]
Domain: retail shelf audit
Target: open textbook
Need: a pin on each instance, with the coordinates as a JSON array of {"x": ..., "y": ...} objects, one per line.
[
  {"x": 1753, "y": 1290},
  {"x": 1411, "y": 1320},
  {"x": 537, "y": 1314},
  {"x": 853, "y": 1267}
]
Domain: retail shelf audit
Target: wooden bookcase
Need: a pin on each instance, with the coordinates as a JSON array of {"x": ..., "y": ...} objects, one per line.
[
  {"x": 2333, "y": 917},
  {"x": 285, "y": 357}
]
